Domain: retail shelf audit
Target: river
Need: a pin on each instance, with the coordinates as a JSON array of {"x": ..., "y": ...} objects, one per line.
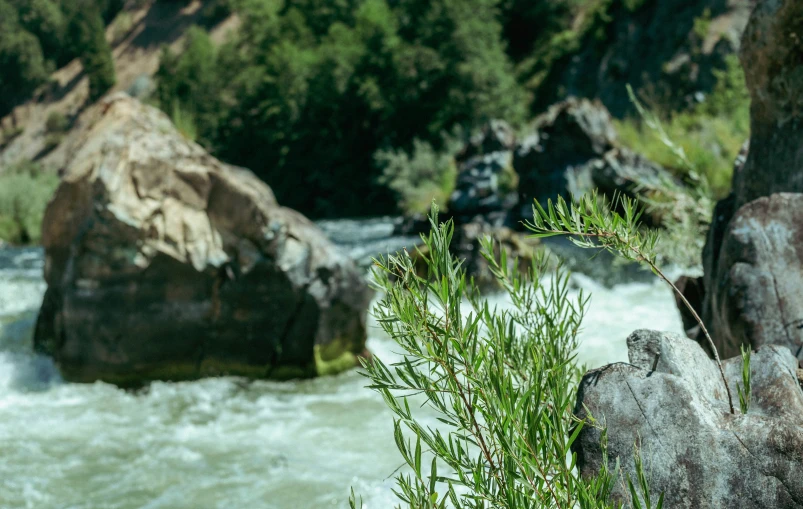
[{"x": 224, "y": 442}]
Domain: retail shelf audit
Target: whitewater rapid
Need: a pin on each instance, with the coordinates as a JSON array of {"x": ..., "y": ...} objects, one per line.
[{"x": 225, "y": 442}]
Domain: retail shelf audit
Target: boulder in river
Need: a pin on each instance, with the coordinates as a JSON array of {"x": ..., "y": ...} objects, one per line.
[
  {"x": 486, "y": 186},
  {"x": 574, "y": 150},
  {"x": 671, "y": 400},
  {"x": 164, "y": 263},
  {"x": 485, "y": 189}
]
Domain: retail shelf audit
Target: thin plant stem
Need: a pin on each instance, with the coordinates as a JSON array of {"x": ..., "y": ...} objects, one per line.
[{"x": 558, "y": 220}]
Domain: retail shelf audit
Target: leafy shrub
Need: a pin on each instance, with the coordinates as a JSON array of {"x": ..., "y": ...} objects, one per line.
[
  {"x": 23, "y": 66},
  {"x": 502, "y": 384},
  {"x": 38, "y": 36},
  {"x": 420, "y": 177},
  {"x": 86, "y": 33},
  {"x": 57, "y": 122},
  {"x": 25, "y": 190},
  {"x": 590, "y": 224}
]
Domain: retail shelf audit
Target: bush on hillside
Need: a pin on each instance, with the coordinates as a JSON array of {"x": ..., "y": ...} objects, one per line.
[
  {"x": 22, "y": 65},
  {"x": 711, "y": 134},
  {"x": 87, "y": 35},
  {"x": 420, "y": 177},
  {"x": 38, "y": 36},
  {"x": 57, "y": 122},
  {"x": 25, "y": 190}
]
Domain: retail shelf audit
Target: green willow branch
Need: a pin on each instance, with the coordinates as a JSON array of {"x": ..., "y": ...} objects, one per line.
[
  {"x": 589, "y": 225},
  {"x": 502, "y": 383}
]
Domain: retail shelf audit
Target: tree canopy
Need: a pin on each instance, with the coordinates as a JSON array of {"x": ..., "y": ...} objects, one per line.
[
  {"x": 309, "y": 91},
  {"x": 37, "y": 36}
]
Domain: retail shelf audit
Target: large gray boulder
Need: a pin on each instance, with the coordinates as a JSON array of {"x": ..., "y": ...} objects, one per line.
[
  {"x": 755, "y": 295},
  {"x": 671, "y": 400},
  {"x": 164, "y": 263}
]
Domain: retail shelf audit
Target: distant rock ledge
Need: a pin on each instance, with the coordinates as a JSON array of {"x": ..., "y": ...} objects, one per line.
[{"x": 164, "y": 263}]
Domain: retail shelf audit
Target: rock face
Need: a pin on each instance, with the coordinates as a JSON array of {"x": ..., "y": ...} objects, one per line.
[
  {"x": 755, "y": 297},
  {"x": 485, "y": 187},
  {"x": 752, "y": 254},
  {"x": 666, "y": 50},
  {"x": 574, "y": 150},
  {"x": 671, "y": 400},
  {"x": 771, "y": 49},
  {"x": 164, "y": 263}
]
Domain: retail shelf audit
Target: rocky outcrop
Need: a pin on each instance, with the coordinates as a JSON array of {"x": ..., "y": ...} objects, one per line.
[
  {"x": 771, "y": 57},
  {"x": 755, "y": 294},
  {"x": 164, "y": 263},
  {"x": 494, "y": 136},
  {"x": 667, "y": 51},
  {"x": 572, "y": 151},
  {"x": 671, "y": 400},
  {"x": 486, "y": 187},
  {"x": 752, "y": 254}
]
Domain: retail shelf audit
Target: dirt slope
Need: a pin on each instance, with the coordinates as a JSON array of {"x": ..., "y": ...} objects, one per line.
[{"x": 137, "y": 35}]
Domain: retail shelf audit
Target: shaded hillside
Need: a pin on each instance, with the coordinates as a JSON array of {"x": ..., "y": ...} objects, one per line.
[
  {"x": 667, "y": 51},
  {"x": 136, "y": 35}
]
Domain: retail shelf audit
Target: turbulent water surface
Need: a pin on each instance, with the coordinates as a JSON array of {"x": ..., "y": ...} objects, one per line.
[{"x": 224, "y": 443}]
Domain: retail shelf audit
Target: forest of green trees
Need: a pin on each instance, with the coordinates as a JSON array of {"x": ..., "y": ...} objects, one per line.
[
  {"x": 38, "y": 36},
  {"x": 336, "y": 102}
]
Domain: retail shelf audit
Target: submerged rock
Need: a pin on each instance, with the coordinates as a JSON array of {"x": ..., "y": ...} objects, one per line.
[
  {"x": 671, "y": 401},
  {"x": 164, "y": 263}
]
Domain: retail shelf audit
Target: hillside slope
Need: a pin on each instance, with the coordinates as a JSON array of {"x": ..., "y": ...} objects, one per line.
[{"x": 137, "y": 36}]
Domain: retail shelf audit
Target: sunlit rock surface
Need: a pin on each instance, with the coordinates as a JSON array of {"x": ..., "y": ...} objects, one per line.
[
  {"x": 671, "y": 400},
  {"x": 164, "y": 263}
]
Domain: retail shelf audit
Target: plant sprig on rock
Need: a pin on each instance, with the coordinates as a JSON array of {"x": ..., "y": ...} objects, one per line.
[{"x": 590, "y": 225}]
